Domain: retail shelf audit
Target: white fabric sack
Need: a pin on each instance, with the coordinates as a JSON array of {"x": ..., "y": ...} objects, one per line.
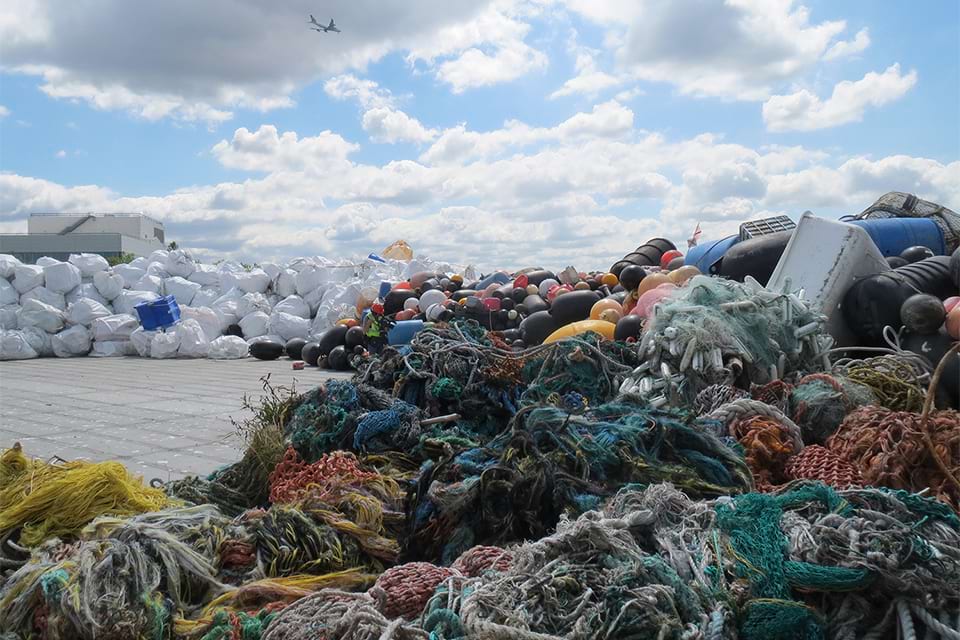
[
  {"x": 156, "y": 269},
  {"x": 89, "y": 263},
  {"x": 205, "y": 297},
  {"x": 113, "y": 349},
  {"x": 34, "y": 313},
  {"x": 86, "y": 290},
  {"x": 251, "y": 302},
  {"x": 228, "y": 348},
  {"x": 129, "y": 273},
  {"x": 126, "y": 301},
  {"x": 8, "y": 295},
  {"x": 178, "y": 263},
  {"x": 85, "y": 311},
  {"x": 164, "y": 344},
  {"x": 26, "y": 277},
  {"x": 207, "y": 318},
  {"x": 142, "y": 341},
  {"x": 158, "y": 256},
  {"x": 285, "y": 284},
  {"x": 71, "y": 342},
  {"x": 139, "y": 262},
  {"x": 253, "y": 281},
  {"x": 45, "y": 296},
  {"x": 205, "y": 275},
  {"x": 108, "y": 284},
  {"x": 114, "y": 328},
  {"x": 339, "y": 302},
  {"x": 150, "y": 283},
  {"x": 294, "y": 305},
  {"x": 309, "y": 278},
  {"x": 226, "y": 317},
  {"x": 314, "y": 298},
  {"x": 7, "y": 265},
  {"x": 46, "y": 261},
  {"x": 193, "y": 342},
  {"x": 289, "y": 326},
  {"x": 8, "y": 316},
  {"x": 40, "y": 340},
  {"x": 255, "y": 324},
  {"x": 181, "y": 289},
  {"x": 61, "y": 277},
  {"x": 272, "y": 270},
  {"x": 14, "y": 346}
]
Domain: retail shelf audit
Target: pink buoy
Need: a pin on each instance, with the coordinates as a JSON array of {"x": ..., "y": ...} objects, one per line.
[{"x": 645, "y": 304}]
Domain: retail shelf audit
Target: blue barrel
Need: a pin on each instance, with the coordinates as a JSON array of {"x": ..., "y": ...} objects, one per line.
[
  {"x": 403, "y": 331},
  {"x": 706, "y": 256},
  {"x": 893, "y": 235},
  {"x": 497, "y": 277},
  {"x": 159, "y": 313}
]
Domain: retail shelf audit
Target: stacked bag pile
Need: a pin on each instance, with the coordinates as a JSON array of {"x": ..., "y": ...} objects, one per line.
[{"x": 86, "y": 307}]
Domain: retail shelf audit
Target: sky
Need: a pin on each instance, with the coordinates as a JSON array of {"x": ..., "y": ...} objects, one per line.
[{"x": 503, "y": 133}]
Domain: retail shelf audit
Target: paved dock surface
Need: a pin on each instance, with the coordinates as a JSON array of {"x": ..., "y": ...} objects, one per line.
[{"x": 161, "y": 418}]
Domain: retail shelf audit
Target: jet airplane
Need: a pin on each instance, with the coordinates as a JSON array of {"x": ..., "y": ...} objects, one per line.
[{"x": 319, "y": 28}]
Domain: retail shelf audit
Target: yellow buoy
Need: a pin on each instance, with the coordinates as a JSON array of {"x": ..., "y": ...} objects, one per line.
[{"x": 602, "y": 327}]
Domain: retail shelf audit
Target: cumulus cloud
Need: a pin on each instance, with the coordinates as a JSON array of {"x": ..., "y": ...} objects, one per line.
[
  {"x": 735, "y": 49},
  {"x": 381, "y": 119},
  {"x": 266, "y": 150},
  {"x": 845, "y": 48},
  {"x": 590, "y": 80},
  {"x": 805, "y": 111},
  {"x": 231, "y": 54}
]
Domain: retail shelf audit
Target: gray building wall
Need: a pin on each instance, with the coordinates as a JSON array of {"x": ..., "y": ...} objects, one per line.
[
  {"x": 133, "y": 225},
  {"x": 29, "y": 247}
]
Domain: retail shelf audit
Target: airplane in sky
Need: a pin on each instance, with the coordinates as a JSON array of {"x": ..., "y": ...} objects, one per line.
[{"x": 323, "y": 29}]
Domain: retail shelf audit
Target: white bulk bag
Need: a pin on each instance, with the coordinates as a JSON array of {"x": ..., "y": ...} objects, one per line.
[
  {"x": 84, "y": 311},
  {"x": 8, "y": 316},
  {"x": 309, "y": 278},
  {"x": 26, "y": 277},
  {"x": 71, "y": 342},
  {"x": 289, "y": 326},
  {"x": 154, "y": 284},
  {"x": 34, "y": 313},
  {"x": 254, "y": 324},
  {"x": 44, "y": 295},
  {"x": 14, "y": 346},
  {"x": 126, "y": 301},
  {"x": 39, "y": 339},
  {"x": 164, "y": 344},
  {"x": 7, "y": 265},
  {"x": 285, "y": 283},
  {"x": 61, "y": 277},
  {"x": 272, "y": 270},
  {"x": 8, "y": 294},
  {"x": 193, "y": 342},
  {"x": 206, "y": 317},
  {"x": 228, "y": 348},
  {"x": 251, "y": 302},
  {"x": 295, "y": 306},
  {"x": 178, "y": 263},
  {"x": 142, "y": 340},
  {"x": 89, "y": 263},
  {"x": 205, "y": 275},
  {"x": 108, "y": 284},
  {"x": 130, "y": 274},
  {"x": 114, "y": 328},
  {"x": 158, "y": 256},
  {"x": 181, "y": 289},
  {"x": 205, "y": 297},
  {"x": 112, "y": 349},
  {"x": 46, "y": 261},
  {"x": 253, "y": 281},
  {"x": 87, "y": 290}
]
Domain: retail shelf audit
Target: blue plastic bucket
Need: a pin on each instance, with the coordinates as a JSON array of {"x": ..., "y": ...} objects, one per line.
[
  {"x": 159, "y": 313},
  {"x": 706, "y": 256},
  {"x": 893, "y": 235}
]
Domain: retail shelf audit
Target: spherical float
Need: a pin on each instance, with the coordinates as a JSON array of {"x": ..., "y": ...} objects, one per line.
[
  {"x": 354, "y": 338},
  {"x": 609, "y": 279},
  {"x": 668, "y": 257},
  {"x": 922, "y": 314},
  {"x": 339, "y": 359},
  {"x": 310, "y": 353},
  {"x": 682, "y": 274},
  {"x": 916, "y": 253},
  {"x": 545, "y": 286},
  {"x": 266, "y": 350},
  {"x": 603, "y": 305},
  {"x": 653, "y": 281},
  {"x": 628, "y": 327},
  {"x": 631, "y": 277},
  {"x": 294, "y": 347}
]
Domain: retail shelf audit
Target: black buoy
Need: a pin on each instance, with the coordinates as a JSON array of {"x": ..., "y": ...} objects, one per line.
[
  {"x": 332, "y": 337},
  {"x": 629, "y": 326},
  {"x": 354, "y": 338},
  {"x": 631, "y": 277},
  {"x": 294, "y": 347},
  {"x": 922, "y": 314},
  {"x": 310, "y": 353},
  {"x": 572, "y": 306},
  {"x": 916, "y": 253},
  {"x": 896, "y": 261},
  {"x": 266, "y": 350},
  {"x": 339, "y": 358},
  {"x": 955, "y": 268},
  {"x": 536, "y": 327}
]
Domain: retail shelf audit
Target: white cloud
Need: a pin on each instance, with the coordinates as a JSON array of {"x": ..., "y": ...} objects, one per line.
[
  {"x": 390, "y": 125},
  {"x": 478, "y": 68},
  {"x": 266, "y": 150},
  {"x": 589, "y": 80},
  {"x": 4, "y": 112},
  {"x": 60, "y": 154},
  {"x": 804, "y": 111},
  {"x": 735, "y": 49},
  {"x": 844, "y": 48},
  {"x": 366, "y": 92}
]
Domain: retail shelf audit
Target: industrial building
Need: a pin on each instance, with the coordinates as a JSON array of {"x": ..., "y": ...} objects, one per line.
[{"x": 60, "y": 234}]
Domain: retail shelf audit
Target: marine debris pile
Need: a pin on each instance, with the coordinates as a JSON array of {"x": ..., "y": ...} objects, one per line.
[{"x": 720, "y": 462}]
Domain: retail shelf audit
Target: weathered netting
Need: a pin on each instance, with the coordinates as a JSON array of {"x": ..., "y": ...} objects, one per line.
[
  {"x": 342, "y": 615},
  {"x": 819, "y": 402},
  {"x": 403, "y": 591},
  {"x": 896, "y": 381},
  {"x": 716, "y": 331},
  {"x": 715, "y": 396},
  {"x": 476, "y": 560},
  {"x": 768, "y": 446},
  {"x": 889, "y": 450},
  {"x": 815, "y": 462}
]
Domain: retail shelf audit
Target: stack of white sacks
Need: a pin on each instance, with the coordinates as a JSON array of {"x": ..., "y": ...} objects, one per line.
[{"x": 85, "y": 307}]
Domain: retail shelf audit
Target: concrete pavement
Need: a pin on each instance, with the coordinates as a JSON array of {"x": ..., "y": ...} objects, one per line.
[{"x": 162, "y": 418}]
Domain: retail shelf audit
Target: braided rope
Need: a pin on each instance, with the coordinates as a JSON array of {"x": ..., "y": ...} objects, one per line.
[{"x": 745, "y": 407}]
